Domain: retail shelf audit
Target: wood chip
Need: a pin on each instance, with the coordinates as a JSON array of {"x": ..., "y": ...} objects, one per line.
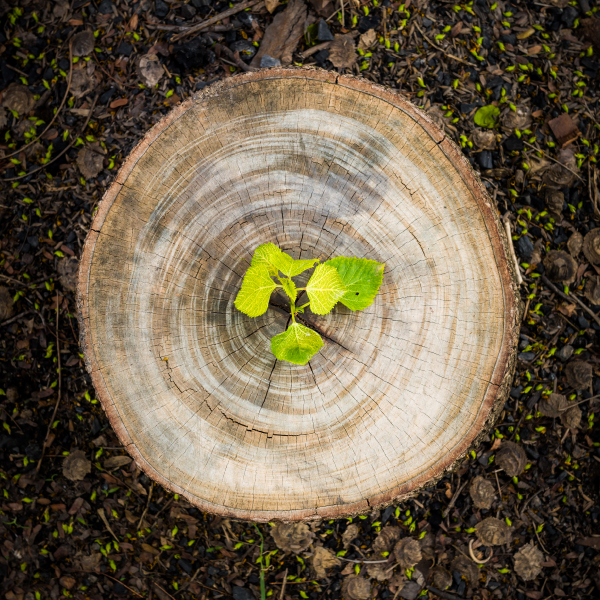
[
  {"x": 283, "y": 34},
  {"x": 564, "y": 129},
  {"x": 342, "y": 52}
]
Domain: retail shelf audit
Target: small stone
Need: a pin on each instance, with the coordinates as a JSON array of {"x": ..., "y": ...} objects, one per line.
[
  {"x": 565, "y": 353},
  {"x": 246, "y": 49},
  {"x": 323, "y": 32},
  {"x": 485, "y": 160},
  {"x": 161, "y": 9},
  {"x": 267, "y": 61},
  {"x": 526, "y": 356},
  {"x": 83, "y": 43},
  {"x": 188, "y": 11},
  {"x": 105, "y": 7},
  {"x": 524, "y": 247},
  {"x": 242, "y": 593}
]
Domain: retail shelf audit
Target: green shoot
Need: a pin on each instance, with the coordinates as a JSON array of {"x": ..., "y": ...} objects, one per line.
[{"x": 352, "y": 281}]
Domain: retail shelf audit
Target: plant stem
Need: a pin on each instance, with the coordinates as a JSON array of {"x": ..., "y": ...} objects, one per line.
[
  {"x": 293, "y": 310},
  {"x": 263, "y": 591},
  {"x": 303, "y": 306}
]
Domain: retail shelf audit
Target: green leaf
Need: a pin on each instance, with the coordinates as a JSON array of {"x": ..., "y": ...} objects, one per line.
[
  {"x": 290, "y": 267},
  {"x": 253, "y": 297},
  {"x": 289, "y": 287},
  {"x": 296, "y": 345},
  {"x": 487, "y": 116},
  {"x": 324, "y": 289},
  {"x": 264, "y": 255},
  {"x": 270, "y": 255},
  {"x": 362, "y": 278}
]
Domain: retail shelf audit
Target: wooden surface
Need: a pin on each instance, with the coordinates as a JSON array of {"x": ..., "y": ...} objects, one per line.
[{"x": 322, "y": 165}]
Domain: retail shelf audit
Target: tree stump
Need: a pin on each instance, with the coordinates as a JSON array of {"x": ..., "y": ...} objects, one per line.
[{"x": 321, "y": 165}]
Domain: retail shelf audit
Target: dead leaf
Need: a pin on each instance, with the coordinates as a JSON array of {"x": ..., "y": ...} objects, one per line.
[
  {"x": 76, "y": 466},
  {"x": 342, "y": 52},
  {"x": 68, "y": 269},
  {"x": 150, "y": 70},
  {"x": 119, "y": 102},
  {"x": 6, "y": 304},
  {"x": 17, "y": 97},
  {"x": 150, "y": 549},
  {"x": 564, "y": 129},
  {"x": 367, "y": 39},
  {"x": 271, "y": 5},
  {"x": 323, "y": 559},
  {"x": 283, "y": 34},
  {"x": 114, "y": 462},
  {"x": 90, "y": 160}
]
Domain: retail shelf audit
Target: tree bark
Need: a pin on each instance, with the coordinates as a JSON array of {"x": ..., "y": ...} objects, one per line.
[{"x": 321, "y": 165}]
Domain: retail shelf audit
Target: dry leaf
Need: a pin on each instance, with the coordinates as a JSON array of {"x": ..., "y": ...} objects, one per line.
[
  {"x": 6, "y": 304},
  {"x": 17, "y": 97},
  {"x": 83, "y": 43},
  {"x": 493, "y": 532},
  {"x": 323, "y": 559},
  {"x": 90, "y": 160},
  {"x": 482, "y": 492},
  {"x": 114, "y": 462},
  {"x": 512, "y": 458},
  {"x": 342, "y": 52},
  {"x": 367, "y": 39},
  {"x": 356, "y": 587},
  {"x": 76, "y": 466},
  {"x": 528, "y": 562},
  {"x": 68, "y": 269},
  {"x": 150, "y": 70},
  {"x": 292, "y": 537},
  {"x": 348, "y": 535},
  {"x": 271, "y": 5}
]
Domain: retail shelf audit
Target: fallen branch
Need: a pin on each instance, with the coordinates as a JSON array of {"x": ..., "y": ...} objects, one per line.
[{"x": 226, "y": 13}]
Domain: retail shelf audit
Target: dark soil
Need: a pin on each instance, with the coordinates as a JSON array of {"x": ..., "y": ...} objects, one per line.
[{"x": 82, "y": 521}]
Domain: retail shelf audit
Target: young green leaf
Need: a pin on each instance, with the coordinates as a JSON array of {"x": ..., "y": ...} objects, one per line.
[
  {"x": 361, "y": 276},
  {"x": 487, "y": 116},
  {"x": 253, "y": 297},
  {"x": 265, "y": 255},
  {"x": 324, "y": 289},
  {"x": 296, "y": 345},
  {"x": 290, "y": 267},
  {"x": 289, "y": 287}
]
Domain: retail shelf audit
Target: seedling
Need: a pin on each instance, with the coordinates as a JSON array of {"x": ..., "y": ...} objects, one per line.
[{"x": 352, "y": 281}]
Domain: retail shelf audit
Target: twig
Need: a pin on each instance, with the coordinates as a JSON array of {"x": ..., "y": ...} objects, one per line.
[
  {"x": 66, "y": 149},
  {"x": 283, "y": 586},
  {"x": 512, "y": 251},
  {"x": 549, "y": 284},
  {"x": 456, "y": 494},
  {"x": 103, "y": 517},
  {"x": 12, "y": 319},
  {"x": 59, "y": 108},
  {"x": 314, "y": 49},
  {"x": 363, "y": 561},
  {"x": 444, "y": 595},
  {"x": 165, "y": 591},
  {"x": 106, "y": 575},
  {"x": 479, "y": 562},
  {"x": 576, "y": 403},
  {"x": 226, "y": 13},
  {"x": 39, "y": 463},
  {"x": 554, "y": 160},
  {"x": 237, "y": 61},
  {"x": 440, "y": 48},
  {"x": 147, "y": 505}
]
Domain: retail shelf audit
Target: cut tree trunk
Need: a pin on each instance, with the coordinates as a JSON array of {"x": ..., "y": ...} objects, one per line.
[{"x": 321, "y": 165}]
